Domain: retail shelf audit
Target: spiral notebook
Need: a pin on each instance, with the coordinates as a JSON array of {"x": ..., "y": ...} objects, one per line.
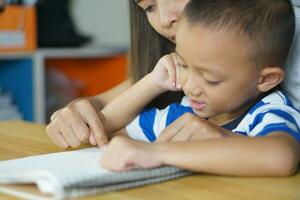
[{"x": 73, "y": 174}]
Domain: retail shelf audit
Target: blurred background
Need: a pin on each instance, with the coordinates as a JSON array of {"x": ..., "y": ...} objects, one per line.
[{"x": 53, "y": 51}]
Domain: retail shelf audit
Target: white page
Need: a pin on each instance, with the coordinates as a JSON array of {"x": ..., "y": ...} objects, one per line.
[
  {"x": 78, "y": 173},
  {"x": 52, "y": 171}
]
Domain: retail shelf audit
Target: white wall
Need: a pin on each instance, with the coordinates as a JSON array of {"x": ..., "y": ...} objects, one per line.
[
  {"x": 296, "y": 2},
  {"x": 106, "y": 20}
]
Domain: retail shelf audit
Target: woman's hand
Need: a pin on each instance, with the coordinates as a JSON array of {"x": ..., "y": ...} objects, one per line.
[
  {"x": 165, "y": 74},
  {"x": 191, "y": 127},
  {"x": 123, "y": 154},
  {"x": 77, "y": 123}
]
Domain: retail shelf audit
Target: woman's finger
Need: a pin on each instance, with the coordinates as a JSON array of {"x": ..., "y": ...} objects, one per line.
[
  {"x": 54, "y": 115},
  {"x": 79, "y": 128},
  {"x": 94, "y": 121},
  {"x": 92, "y": 139},
  {"x": 55, "y": 135},
  {"x": 67, "y": 133}
]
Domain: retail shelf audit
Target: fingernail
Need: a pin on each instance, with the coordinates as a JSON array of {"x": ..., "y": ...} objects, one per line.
[
  {"x": 102, "y": 142},
  {"x": 104, "y": 147}
]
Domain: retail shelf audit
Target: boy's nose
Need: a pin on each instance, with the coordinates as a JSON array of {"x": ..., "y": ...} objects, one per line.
[{"x": 193, "y": 87}]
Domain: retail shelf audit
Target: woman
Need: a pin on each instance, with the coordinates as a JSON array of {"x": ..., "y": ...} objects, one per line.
[{"x": 153, "y": 26}]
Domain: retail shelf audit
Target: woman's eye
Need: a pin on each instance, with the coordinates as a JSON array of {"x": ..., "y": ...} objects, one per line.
[{"x": 149, "y": 8}]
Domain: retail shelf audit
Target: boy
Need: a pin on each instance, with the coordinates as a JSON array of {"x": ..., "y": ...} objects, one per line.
[
  {"x": 230, "y": 58},
  {"x": 228, "y": 61}
]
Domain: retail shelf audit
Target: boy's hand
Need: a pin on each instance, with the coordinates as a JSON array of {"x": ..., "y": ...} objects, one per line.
[
  {"x": 123, "y": 154},
  {"x": 191, "y": 127},
  {"x": 165, "y": 75},
  {"x": 75, "y": 124}
]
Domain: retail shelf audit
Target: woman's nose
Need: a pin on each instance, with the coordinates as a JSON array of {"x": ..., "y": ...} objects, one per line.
[{"x": 168, "y": 15}]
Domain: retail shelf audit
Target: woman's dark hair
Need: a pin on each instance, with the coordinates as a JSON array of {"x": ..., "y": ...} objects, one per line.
[{"x": 147, "y": 47}]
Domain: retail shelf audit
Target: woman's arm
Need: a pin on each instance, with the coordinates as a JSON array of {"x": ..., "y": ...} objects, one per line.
[
  {"x": 273, "y": 155},
  {"x": 101, "y": 100},
  {"x": 73, "y": 124}
]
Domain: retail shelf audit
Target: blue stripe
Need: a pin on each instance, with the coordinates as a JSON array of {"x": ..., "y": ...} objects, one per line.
[
  {"x": 175, "y": 111},
  {"x": 146, "y": 123},
  {"x": 289, "y": 102},
  {"x": 279, "y": 127},
  {"x": 258, "y": 118},
  {"x": 241, "y": 133},
  {"x": 257, "y": 105},
  {"x": 282, "y": 97}
]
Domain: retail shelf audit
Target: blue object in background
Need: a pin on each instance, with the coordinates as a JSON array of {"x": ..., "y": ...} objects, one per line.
[{"x": 16, "y": 78}]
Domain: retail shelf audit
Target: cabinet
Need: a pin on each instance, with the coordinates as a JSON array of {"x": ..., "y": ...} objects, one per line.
[{"x": 23, "y": 75}]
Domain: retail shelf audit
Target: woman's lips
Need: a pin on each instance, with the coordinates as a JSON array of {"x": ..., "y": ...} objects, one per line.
[{"x": 197, "y": 105}]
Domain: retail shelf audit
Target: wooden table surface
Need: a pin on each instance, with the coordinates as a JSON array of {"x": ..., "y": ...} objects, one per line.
[{"x": 18, "y": 139}]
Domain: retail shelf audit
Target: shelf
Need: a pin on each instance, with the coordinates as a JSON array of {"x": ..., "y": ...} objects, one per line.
[
  {"x": 23, "y": 74},
  {"x": 15, "y": 55},
  {"x": 83, "y": 52}
]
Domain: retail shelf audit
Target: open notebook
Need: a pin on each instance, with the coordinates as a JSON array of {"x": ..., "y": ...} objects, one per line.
[{"x": 75, "y": 173}]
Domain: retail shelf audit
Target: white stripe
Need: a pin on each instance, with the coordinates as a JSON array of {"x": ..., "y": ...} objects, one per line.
[
  {"x": 275, "y": 98},
  {"x": 243, "y": 126},
  {"x": 185, "y": 101},
  {"x": 160, "y": 121},
  {"x": 270, "y": 119},
  {"x": 135, "y": 132},
  {"x": 276, "y": 103}
]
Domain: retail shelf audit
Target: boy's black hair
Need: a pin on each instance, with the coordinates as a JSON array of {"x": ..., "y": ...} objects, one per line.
[{"x": 269, "y": 25}]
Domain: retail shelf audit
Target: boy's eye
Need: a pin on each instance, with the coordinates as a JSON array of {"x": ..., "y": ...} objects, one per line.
[
  {"x": 182, "y": 66},
  {"x": 149, "y": 8},
  {"x": 212, "y": 83}
]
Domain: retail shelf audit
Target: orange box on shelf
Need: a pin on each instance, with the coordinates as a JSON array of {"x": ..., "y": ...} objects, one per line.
[
  {"x": 97, "y": 75},
  {"x": 18, "y": 28}
]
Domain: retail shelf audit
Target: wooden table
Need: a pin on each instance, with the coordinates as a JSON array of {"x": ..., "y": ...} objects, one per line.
[{"x": 18, "y": 139}]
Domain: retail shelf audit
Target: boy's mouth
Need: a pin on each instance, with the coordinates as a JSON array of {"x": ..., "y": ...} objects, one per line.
[
  {"x": 173, "y": 37},
  {"x": 197, "y": 105}
]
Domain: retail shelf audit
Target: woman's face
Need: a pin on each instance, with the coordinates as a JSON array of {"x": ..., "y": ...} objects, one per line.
[{"x": 163, "y": 15}]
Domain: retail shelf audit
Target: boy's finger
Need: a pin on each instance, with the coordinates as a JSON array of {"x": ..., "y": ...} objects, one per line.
[
  {"x": 171, "y": 68},
  {"x": 182, "y": 135},
  {"x": 170, "y": 131},
  {"x": 178, "y": 85}
]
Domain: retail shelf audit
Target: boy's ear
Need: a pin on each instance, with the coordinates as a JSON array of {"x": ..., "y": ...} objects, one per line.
[{"x": 270, "y": 77}]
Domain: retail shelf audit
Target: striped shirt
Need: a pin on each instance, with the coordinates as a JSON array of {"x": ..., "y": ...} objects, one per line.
[{"x": 275, "y": 112}]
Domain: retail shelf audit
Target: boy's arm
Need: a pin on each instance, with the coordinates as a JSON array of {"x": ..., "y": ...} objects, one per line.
[
  {"x": 123, "y": 109},
  {"x": 274, "y": 155}
]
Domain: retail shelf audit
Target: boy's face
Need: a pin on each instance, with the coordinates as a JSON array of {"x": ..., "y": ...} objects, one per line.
[{"x": 215, "y": 72}]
